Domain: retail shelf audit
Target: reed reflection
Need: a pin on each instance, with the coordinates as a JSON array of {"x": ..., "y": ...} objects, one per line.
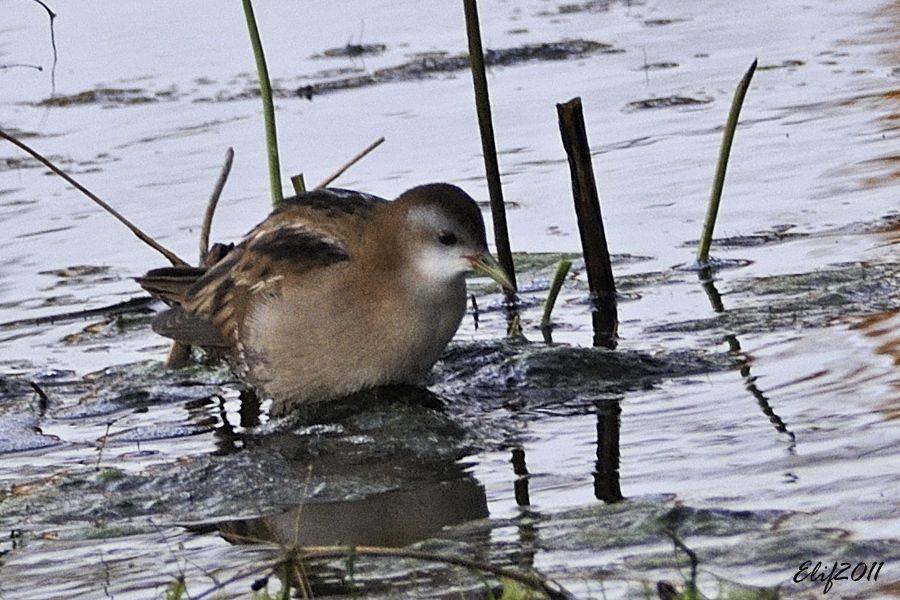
[{"x": 606, "y": 468}]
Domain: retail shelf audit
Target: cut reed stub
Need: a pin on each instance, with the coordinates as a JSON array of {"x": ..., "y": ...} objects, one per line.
[{"x": 590, "y": 223}]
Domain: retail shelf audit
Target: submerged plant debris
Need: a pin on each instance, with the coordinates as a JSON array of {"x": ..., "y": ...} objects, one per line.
[{"x": 666, "y": 102}]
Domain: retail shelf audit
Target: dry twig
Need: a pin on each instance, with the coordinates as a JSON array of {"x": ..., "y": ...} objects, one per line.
[
  {"x": 692, "y": 556},
  {"x": 171, "y": 256},
  {"x": 52, "y": 16},
  {"x": 350, "y": 163},
  {"x": 211, "y": 205}
]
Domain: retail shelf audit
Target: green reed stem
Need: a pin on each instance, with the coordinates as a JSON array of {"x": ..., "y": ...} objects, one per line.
[
  {"x": 562, "y": 269},
  {"x": 265, "y": 92},
  {"x": 715, "y": 196}
]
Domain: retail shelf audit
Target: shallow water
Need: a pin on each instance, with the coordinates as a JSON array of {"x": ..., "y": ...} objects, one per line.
[{"x": 757, "y": 417}]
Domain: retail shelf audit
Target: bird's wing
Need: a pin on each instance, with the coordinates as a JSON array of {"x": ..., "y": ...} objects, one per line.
[
  {"x": 306, "y": 232},
  {"x": 273, "y": 250}
]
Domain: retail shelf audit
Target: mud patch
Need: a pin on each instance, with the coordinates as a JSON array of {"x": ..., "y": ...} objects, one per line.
[
  {"x": 785, "y": 64},
  {"x": 579, "y": 7},
  {"x": 423, "y": 66},
  {"x": 352, "y": 51},
  {"x": 82, "y": 275},
  {"x": 16, "y": 162},
  {"x": 760, "y": 238},
  {"x": 432, "y": 65},
  {"x": 111, "y": 97},
  {"x": 667, "y": 102}
]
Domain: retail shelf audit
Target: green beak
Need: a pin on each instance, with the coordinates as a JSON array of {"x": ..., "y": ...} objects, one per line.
[{"x": 485, "y": 264}]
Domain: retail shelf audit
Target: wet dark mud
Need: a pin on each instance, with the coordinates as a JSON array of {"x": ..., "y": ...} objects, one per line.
[{"x": 418, "y": 69}]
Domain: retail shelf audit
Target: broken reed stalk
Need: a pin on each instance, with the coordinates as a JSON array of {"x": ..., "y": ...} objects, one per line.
[
  {"x": 715, "y": 195},
  {"x": 299, "y": 184},
  {"x": 362, "y": 154},
  {"x": 211, "y": 205},
  {"x": 170, "y": 256},
  {"x": 488, "y": 146},
  {"x": 265, "y": 92},
  {"x": 562, "y": 269},
  {"x": 590, "y": 222}
]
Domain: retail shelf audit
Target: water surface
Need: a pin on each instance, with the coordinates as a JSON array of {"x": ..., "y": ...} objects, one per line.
[{"x": 757, "y": 417}]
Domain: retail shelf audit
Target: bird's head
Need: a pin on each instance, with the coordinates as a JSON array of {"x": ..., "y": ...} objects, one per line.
[{"x": 445, "y": 230}]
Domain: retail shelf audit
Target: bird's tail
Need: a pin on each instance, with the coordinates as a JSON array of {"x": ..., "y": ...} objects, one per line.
[{"x": 171, "y": 284}]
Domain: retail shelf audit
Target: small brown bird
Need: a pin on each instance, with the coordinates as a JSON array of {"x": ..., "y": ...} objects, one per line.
[{"x": 335, "y": 292}]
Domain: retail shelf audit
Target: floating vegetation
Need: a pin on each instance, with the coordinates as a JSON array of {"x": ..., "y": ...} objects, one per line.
[{"x": 666, "y": 102}]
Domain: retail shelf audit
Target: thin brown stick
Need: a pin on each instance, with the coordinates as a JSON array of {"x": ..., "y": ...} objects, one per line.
[
  {"x": 52, "y": 16},
  {"x": 43, "y": 398},
  {"x": 102, "y": 445},
  {"x": 21, "y": 66},
  {"x": 179, "y": 352},
  {"x": 350, "y": 163},
  {"x": 171, "y": 256},
  {"x": 211, "y": 205},
  {"x": 692, "y": 556},
  {"x": 302, "y": 580},
  {"x": 139, "y": 304},
  {"x": 235, "y": 578}
]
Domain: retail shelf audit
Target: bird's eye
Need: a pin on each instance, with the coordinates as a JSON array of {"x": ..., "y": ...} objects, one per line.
[{"x": 447, "y": 238}]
